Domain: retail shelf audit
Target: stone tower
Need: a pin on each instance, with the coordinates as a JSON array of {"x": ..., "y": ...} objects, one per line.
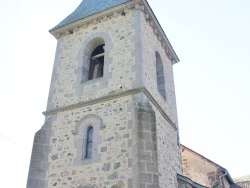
[{"x": 111, "y": 119}]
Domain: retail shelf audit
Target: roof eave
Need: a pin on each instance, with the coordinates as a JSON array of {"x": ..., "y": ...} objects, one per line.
[{"x": 69, "y": 28}]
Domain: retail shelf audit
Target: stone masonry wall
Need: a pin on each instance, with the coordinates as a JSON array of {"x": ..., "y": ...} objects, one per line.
[
  {"x": 113, "y": 145},
  {"x": 169, "y": 158},
  {"x": 125, "y": 152},
  {"x": 148, "y": 157},
  {"x": 119, "y": 65},
  {"x": 168, "y": 154},
  {"x": 129, "y": 126},
  {"x": 151, "y": 45}
]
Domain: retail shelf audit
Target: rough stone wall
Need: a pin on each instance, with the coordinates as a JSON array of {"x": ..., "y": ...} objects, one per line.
[
  {"x": 119, "y": 72},
  {"x": 169, "y": 159},
  {"x": 131, "y": 128},
  {"x": 151, "y": 45},
  {"x": 128, "y": 151},
  {"x": 200, "y": 170},
  {"x": 148, "y": 158},
  {"x": 168, "y": 154},
  {"x": 113, "y": 144}
]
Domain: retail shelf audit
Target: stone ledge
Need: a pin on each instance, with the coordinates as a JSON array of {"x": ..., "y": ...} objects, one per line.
[{"x": 111, "y": 97}]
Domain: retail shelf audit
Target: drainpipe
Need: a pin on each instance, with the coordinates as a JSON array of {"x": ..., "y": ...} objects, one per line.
[{"x": 221, "y": 178}]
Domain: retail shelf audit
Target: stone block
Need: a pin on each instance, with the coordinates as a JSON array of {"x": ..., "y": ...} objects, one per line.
[
  {"x": 32, "y": 183},
  {"x": 146, "y": 178},
  {"x": 37, "y": 174},
  {"x": 145, "y": 156}
]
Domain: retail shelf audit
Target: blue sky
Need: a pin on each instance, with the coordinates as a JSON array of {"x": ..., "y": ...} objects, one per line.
[{"x": 212, "y": 79}]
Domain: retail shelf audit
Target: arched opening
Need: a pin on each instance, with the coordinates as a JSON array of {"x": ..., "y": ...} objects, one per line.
[
  {"x": 87, "y": 132},
  {"x": 89, "y": 143},
  {"x": 93, "y": 58},
  {"x": 96, "y": 63},
  {"x": 160, "y": 75}
]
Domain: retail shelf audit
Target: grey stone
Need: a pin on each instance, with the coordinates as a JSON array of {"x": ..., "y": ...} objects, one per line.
[
  {"x": 126, "y": 135},
  {"x": 156, "y": 179},
  {"x": 117, "y": 165},
  {"x": 113, "y": 176},
  {"x": 110, "y": 138},
  {"x": 145, "y": 156},
  {"x": 106, "y": 167},
  {"x": 54, "y": 157},
  {"x": 65, "y": 173},
  {"x": 146, "y": 178},
  {"x": 151, "y": 146},
  {"x": 151, "y": 167},
  {"x": 152, "y": 185},
  {"x": 32, "y": 183},
  {"x": 103, "y": 149},
  {"x": 118, "y": 137},
  {"x": 144, "y": 117},
  {"x": 87, "y": 186},
  {"x": 144, "y": 135},
  {"x": 120, "y": 184}
]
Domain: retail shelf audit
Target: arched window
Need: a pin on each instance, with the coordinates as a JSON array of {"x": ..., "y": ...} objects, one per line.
[
  {"x": 96, "y": 63},
  {"x": 87, "y": 132},
  {"x": 89, "y": 143},
  {"x": 160, "y": 75}
]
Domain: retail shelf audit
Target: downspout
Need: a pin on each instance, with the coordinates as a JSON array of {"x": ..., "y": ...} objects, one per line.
[{"x": 221, "y": 178}]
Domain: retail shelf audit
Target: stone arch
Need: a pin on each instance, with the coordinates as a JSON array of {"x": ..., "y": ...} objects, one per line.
[
  {"x": 86, "y": 50},
  {"x": 88, "y": 120},
  {"x": 80, "y": 132}
]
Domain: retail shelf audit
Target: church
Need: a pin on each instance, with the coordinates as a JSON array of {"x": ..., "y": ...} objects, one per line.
[{"x": 111, "y": 117}]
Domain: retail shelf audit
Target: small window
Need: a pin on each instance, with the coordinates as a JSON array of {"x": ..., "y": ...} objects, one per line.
[
  {"x": 160, "y": 75},
  {"x": 89, "y": 142},
  {"x": 96, "y": 63}
]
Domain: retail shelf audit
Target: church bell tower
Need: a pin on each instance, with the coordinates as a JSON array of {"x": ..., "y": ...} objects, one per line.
[{"x": 111, "y": 118}]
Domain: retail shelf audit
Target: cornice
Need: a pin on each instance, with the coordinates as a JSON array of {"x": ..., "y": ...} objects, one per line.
[
  {"x": 111, "y": 97},
  {"x": 141, "y": 5}
]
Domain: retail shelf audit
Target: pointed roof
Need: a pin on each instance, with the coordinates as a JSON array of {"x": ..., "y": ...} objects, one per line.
[{"x": 88, "y": 8}]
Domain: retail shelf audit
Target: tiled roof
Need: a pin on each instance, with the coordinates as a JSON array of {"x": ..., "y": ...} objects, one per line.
[{"x": 88, "y": 8}]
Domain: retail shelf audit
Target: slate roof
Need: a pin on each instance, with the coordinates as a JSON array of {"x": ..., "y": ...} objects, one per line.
[{"x": 88, "y": 8}]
